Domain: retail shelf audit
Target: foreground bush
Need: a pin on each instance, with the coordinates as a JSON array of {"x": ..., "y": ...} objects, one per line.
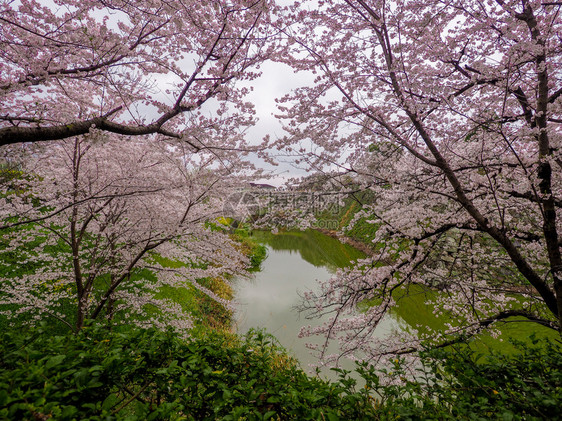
[
  {"x": 459, "y": 384},
  {"x": 146, "y": 374}
]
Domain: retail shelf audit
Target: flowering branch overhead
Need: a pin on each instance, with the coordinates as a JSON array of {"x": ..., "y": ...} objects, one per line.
[
  {"x": 74, "y": 66},
  {"x": 448, "y": 114}
]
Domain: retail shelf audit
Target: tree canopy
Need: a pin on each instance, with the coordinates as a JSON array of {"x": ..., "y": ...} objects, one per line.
[
  {"x": 100, "y": 211},
  {"x": 450, "y": 112},
  {"x": 129, "y": 68}
]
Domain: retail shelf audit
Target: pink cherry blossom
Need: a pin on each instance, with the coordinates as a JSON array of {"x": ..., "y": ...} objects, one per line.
[
  {"x": 107, "y": 224},
  {"x": 450, "y": 114}
]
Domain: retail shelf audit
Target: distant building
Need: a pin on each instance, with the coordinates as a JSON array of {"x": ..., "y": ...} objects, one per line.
[{"x": 262, "y": 186}]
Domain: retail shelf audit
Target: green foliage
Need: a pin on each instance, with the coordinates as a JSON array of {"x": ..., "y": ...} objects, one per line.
[
  {"x": 257, "y": 256},
  {"x": 255, "y": 251},
  {"x": 459, "y": 384},
  {"x": 147, "y": 374},
  {"x": 139, "y": 374},
  {"x": 313, "y": 246}
]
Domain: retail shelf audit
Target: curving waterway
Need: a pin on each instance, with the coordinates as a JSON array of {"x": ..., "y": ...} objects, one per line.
[{"x": 295, "y": 262}]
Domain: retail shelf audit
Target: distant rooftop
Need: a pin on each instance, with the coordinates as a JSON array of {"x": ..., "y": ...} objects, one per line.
[{"x": 262, "y": 186}]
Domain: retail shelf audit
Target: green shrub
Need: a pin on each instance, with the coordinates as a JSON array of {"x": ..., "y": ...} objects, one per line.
[
  {"x": 255, "y": 251},
  {"x": 147, "y": 374},
  {"x": 459, "y": 384},
  {"x": 138, "y": 374}
]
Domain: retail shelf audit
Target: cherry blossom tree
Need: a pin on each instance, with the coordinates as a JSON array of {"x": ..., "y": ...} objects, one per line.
[
  {"x": 88, "y": 218},
  {"x": 95, "y": 228},
  {"x": 129, "y": 68},
  {"x": 451, "y": 113}
]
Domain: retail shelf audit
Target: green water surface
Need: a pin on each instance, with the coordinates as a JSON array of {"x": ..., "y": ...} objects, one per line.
[{"x": 298, "y": 260}]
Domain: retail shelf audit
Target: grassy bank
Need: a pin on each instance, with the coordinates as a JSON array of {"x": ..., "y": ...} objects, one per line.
[{"x": 207, "y": 313}]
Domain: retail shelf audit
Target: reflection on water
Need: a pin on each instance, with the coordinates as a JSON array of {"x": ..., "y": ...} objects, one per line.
[
  {"x": 295, "y": 262},
  {"x": 314, "y": 247}
]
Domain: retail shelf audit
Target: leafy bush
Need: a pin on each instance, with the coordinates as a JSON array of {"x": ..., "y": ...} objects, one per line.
[
  {"x": 459, "y": 384},
  {"x": 147, "y": 374},
  {"x": 255, "y": 251},
  {"x": 141, "y": 374}
]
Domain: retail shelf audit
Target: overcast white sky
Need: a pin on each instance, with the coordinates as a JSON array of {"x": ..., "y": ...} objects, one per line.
[{"x": 276, "y": 80}]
